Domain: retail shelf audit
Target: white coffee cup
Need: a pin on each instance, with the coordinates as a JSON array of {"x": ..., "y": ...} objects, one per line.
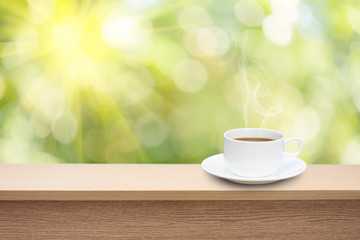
[{"x": 256, "y": 158}]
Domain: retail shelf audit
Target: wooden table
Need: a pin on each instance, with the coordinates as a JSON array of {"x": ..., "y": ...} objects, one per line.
[{"x": 174, "y": 201}]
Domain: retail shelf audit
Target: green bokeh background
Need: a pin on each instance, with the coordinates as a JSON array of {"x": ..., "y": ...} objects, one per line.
[{"x": 161, "y": 81}]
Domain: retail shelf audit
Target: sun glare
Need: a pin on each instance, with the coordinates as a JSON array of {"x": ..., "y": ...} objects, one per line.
[
  {"x": 73, "y": 49},
  {"x": 67, "y": 34}
]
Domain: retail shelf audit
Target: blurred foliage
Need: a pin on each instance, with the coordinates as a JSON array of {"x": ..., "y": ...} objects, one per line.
[{"x": 157, "y": 81}]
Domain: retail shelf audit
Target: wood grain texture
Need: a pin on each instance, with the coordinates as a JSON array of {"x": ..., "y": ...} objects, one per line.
[
  {"x": 329, "y": 219},
  {"x": 166, "y": 182}
]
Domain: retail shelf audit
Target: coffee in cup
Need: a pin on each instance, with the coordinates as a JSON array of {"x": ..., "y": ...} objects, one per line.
[{"x": 256, "y": 152}]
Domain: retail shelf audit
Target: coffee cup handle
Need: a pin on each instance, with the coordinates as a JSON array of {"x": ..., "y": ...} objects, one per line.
[{"x": 287, "y": 140}]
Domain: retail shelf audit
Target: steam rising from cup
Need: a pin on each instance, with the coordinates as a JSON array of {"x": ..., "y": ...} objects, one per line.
[{"x": 251, "y": 87}]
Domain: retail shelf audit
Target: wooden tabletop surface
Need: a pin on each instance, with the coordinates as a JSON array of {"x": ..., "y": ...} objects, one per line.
[{"x": 167, "y": 182}]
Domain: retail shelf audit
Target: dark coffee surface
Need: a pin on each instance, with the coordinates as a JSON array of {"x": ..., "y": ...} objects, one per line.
[{"x": 249, "y": 139}]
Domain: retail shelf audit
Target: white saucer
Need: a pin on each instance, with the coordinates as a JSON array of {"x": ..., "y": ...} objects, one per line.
[{"x": 291, "y": 167}]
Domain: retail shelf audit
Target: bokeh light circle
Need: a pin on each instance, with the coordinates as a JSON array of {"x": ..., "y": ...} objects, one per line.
[
  {"x": 64, "y": 128},
  {"x": 277, "y": 30},
  {"x": 137, "y": 84},
  {"x": 190, "y": 75},
  {"x": 249, "y": 12},
  {"x": 125, "y": 32},
  {"x": 151, "y": 130},
  {"x": 213, "y": 41}
]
